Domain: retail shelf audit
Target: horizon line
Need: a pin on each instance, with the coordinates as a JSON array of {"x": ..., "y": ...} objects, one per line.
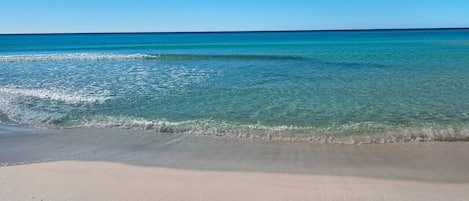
[{"x": 246, "y": 31}]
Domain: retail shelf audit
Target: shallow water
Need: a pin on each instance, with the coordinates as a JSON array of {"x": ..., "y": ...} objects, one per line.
[
  {"x": 428, "y": 161},
  {"x": 336, "y": 87}
]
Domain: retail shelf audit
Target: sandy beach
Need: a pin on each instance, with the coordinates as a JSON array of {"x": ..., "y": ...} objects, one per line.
[
  {"x": 234, "y": 101},
  {"x": 116, "y": 164},
  {"x": 71, "y": 180}
]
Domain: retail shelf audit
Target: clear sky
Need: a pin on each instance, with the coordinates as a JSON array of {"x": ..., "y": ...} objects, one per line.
[{"x": 46, "y": 16}]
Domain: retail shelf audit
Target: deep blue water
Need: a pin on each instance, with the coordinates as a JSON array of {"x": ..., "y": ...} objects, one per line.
[{"x": 390, "y": 85}]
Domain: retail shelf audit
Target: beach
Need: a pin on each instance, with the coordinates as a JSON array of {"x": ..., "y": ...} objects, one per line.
[
  {"x": 117, "y": 164},
  {"x": 71, "y": 180},
  {"x": 234, "y": 100},
  {"x": 289, "y": 115}
]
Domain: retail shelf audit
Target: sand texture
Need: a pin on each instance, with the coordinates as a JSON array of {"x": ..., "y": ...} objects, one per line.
[
  {"x": 117, "y": 164},
  {"x": 72, "y": 180}
]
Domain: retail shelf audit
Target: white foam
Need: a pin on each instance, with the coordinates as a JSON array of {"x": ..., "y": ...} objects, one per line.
[
  {"x": 13, "y": 107},
  {"x": 73, "y": 56},
  {"x": 282, "y": 133},
  {"x": 56, "y": 95}
]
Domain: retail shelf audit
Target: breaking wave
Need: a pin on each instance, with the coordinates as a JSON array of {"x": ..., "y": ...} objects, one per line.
[
  {"x": 73, "y": 56},
  {"x": 163, "y": 57},
  {"x": 357, "y": 133},
  {"x": 42, "y": 107},
  {"x": 55, "y": 95}
]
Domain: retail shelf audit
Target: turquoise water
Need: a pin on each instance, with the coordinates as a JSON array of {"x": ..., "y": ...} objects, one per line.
[{"x": 349, "y": 86}]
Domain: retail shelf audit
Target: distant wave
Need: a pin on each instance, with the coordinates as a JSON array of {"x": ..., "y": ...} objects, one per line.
[
  {"x": 226, "y": 57},
  {"x": 73, "y": 56},
  {"x": 163, "y": 57}
]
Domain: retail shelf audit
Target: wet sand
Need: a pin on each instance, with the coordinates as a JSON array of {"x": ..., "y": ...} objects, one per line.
[{"x": 117, "y": 164}]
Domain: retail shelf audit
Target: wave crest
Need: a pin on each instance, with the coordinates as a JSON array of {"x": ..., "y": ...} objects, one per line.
[
  {"x": 255, "y": 132},
  {"x": 56, "y": 95},
  {"x": 284, "y": 133},
  {"x": 162, "y": 57},
  {"x": 74, "y": 56}
]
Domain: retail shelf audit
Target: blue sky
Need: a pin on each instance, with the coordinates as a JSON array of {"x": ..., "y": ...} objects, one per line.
[{"x": 46, "y": 16}]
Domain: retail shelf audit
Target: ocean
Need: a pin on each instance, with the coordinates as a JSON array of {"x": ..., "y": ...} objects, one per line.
[{"x": 319, "y": 86}]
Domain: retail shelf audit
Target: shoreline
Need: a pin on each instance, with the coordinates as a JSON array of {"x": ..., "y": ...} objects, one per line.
[
  {"x": 413, "y": 161},
  {"x": 117, "y": 164},
  {"x": 324, "y": 115},
  {"x": 73, "y": 180},
  {"x": 280, "y": 134}
]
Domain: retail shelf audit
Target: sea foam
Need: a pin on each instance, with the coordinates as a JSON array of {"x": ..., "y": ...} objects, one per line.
[
  {"x": 73, "y": 56},
  {"x": 56, "y": 95},
  {"x": 258, "y": 132},
  {"x": 42, "y": 107}
]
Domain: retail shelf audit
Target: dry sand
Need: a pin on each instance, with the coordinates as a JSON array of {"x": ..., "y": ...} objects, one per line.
[{"x": 74, "y": 180}]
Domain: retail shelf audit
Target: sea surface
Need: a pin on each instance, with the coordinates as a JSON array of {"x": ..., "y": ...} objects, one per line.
[{"x": 323, "y": 86}]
